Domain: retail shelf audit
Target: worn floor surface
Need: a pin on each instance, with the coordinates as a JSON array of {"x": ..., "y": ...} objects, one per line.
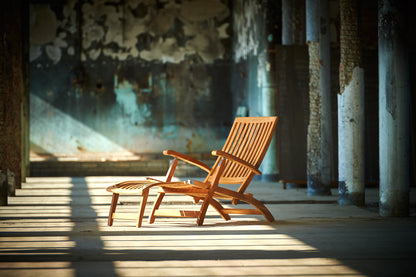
[{"x": 57, "y": 227}]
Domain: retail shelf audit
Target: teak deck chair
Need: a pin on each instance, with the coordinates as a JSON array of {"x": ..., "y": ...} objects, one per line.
[{"x": 237, "y": 163}]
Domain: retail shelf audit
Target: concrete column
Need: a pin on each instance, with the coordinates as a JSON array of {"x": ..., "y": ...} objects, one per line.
[
  {"x": 393, "y": 108},
  {"x": 293, "y": 22},
  {"x": 319, "y": 128},
  {"x": 270, "y": 166},
  {"x": 325, "y": 94},
  {"x": 350, "y": 110},
  {"x": 267, "y": 71}
]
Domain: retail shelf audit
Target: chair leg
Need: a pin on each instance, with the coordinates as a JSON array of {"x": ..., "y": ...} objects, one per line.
[
  {"x": 208, "y": 200},
  {"x": 218, "y": 207},
  {"x": 202, "y": 212},
  {"x": 260, "y": 207},
  {"x": 156, "y": 206},
  {"x": 112, "y": 208},
  {"x": 145, "y": 194}
]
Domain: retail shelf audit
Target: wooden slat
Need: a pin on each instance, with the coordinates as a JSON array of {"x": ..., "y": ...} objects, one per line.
[
  {"x": 241, "y": 211},
  {"x": 177, "y": 213},
  {"x": 257, "y": 146},
  {"x": 233, "y": 148},
  {"x": 267, "y": 139},
  {"x": 245, "y": 144}
]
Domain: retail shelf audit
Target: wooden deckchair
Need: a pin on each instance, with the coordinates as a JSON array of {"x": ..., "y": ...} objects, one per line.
[{"x": 237, "y": 163}]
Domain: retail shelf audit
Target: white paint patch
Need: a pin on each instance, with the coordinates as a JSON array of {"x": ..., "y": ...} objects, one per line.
[
  {"x": 34, "y": 52},
  {"x": 70, "y": 51},
  {"x": 166, "y": 51},
  {"x": 54, "y": 53},
  {"x": 93, "y": 54}
]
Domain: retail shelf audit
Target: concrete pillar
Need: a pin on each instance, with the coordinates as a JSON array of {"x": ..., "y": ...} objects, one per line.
[
  {"x": 393, "y": 108},
  {"x": 325, "y": 94},
  {"x": 267, "y": 69},
  {"x": 293, "y": 22},
  {"x": 351, "y": 171},
  {"x": 319, "y": 128},
  {"x": 270, "y": 165}
]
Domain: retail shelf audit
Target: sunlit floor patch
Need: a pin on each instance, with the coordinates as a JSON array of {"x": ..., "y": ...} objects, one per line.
[
  {"x": 204, "y": 242},
  {"x": 252, "y": 267}
]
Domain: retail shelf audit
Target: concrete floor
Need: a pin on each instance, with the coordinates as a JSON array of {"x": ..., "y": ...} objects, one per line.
[{"x": 57, "y": 227}]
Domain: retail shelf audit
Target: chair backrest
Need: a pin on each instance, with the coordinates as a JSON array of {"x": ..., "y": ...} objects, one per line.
[{"x": 249, "y": 139}]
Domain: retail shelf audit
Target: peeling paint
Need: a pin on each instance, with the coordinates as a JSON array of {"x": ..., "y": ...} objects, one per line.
[
  {"x": 244, "y": 21},
  {"x": 71, "y": 51},
  {"x": 166, "y": 51},
  {"x": 34, "y": 52},
  {"x": 207, "y": 45},
  {"x": 93, "y": 54},
  {"x": 112, "y": 29},
  {"x": 54, "y": 53}
]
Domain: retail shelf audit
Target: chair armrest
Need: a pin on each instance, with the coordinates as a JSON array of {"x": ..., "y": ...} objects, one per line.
[
  {"x": 187, "y": 159},
  {"x": 237, "y": 160}
]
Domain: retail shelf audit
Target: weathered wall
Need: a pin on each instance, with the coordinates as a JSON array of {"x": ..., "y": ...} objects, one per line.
[{"x": 122, "y": 77}]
